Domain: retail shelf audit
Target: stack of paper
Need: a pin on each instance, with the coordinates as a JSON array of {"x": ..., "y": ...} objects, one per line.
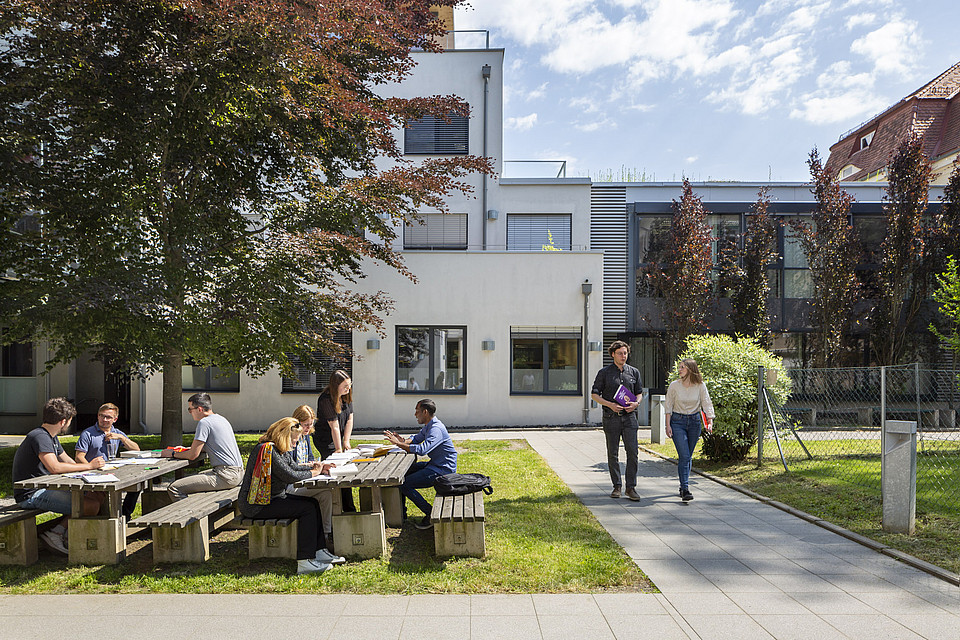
[{"x": 344, "y": 469}]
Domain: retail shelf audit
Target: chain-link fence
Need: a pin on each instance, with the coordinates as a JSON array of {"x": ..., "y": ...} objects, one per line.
[{"x": 830, "y": 427}]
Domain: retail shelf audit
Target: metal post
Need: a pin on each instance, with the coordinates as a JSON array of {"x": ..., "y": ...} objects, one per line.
[
  {"x": 586, "y": 289},
  {"x": 883, "y": 405},
  {"x": 760, "y": 378}
]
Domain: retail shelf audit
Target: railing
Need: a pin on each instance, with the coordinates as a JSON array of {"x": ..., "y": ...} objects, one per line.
[
  {"x": 478, "y": 38},
  {"x": 517, "y": 168}
]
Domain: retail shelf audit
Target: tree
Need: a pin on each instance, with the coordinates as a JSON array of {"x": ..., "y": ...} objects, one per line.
[
  {"x": 744, "y": 273},
  {"x": 833, "y": 252},
  {"x": 681, "y": 273},
  {"x": 947, "y": 296},
  {"x": 205, "y": 176}
]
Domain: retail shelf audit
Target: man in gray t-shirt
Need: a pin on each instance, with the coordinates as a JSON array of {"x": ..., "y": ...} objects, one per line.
[{"x": 215, "y": 436}]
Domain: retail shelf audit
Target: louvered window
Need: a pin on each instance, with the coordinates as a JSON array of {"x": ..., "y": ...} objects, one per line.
[
  {"x": 533, "y": 232},
  {"x": 435, "y": 136},
  {"x": 438, "y": 231},
  {"x": 309, "y": 380}
]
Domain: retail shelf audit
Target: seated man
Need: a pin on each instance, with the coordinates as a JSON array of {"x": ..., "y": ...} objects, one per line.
[
  {"x": 104, "y": 440},
  {"x": 433, "y": 441},
  {"x": 214, "y": 435},
  {"x": 41, "y": 454}
]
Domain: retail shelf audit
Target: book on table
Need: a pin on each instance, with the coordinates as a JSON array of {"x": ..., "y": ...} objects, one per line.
[{"x": 624, "y": 396}]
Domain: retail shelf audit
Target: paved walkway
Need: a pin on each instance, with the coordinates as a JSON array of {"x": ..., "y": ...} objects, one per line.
[{"x": 727, "y": 566}]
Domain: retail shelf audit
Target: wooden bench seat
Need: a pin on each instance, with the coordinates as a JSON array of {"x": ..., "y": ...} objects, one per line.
[
  {"x": 271, "y": 537},
  {"x": 18, "y": 535},
  {"x": 458, "y": 525},
  {"x": 181, "y": 530}
]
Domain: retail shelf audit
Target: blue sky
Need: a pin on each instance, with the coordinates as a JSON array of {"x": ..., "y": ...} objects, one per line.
[{"x": 708, "y": 89}]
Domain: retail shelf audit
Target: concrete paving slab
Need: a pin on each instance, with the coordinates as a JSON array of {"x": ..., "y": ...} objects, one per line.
[{"x": 859, "y": 627}]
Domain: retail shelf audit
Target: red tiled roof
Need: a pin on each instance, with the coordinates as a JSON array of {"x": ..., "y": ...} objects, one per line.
[{"x": 946, "y": 85}]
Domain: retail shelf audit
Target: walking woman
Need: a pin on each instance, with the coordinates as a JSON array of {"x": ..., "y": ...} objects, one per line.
[
  {"x": 332, "y": 435},
  {"x": 687, "y": 402},
  {"x": 263, "y": 493}
]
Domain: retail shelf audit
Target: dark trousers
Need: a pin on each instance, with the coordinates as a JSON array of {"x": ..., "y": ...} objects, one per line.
[
  {"x": 418, "y": 477},
  {"x": 615, "y": 428},
  {"x": 309, "y": 523}
]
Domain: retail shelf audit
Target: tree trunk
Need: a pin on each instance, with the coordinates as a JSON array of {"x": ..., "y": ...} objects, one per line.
[{"x": 171, "y": 426}]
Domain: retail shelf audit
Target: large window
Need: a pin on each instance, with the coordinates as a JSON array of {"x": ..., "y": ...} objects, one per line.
[
  {"x": 437, "y": 231},
  {"x": 16, "y": 360},
  {"x": 545, "y": 360},
  {"x": 209, "y": 379},
  {"x": 435, "y": 136},
  {"x": 431, "y": 359},
  {"x": 796, "y": 272},
  {"x": 18, "y": 381},
  {"x": 533, "y": 232},
  {"x": 309, "y": 380}
]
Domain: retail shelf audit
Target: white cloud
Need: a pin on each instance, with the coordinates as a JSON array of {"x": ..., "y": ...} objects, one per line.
[
  {"x": 692, "y": 159},
  {"x": 604, "y": 124},
  {"x": 860, "y": 20},
  {"x": 536, "y": 94},
  {"x": 521, "y": 123},
  {"x": 841, "y": 96},
  {"x": 892, "y": 48}
]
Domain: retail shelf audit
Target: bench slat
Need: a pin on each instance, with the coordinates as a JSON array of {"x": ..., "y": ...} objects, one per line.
[
  {"x": 189, "y": 510},
  {"x": 16, "y": 514}
]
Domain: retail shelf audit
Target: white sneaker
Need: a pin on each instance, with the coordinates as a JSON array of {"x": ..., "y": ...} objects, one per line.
[
  {"x": 55, "y": 541},
  {"x": 324, "y": 555},
  {"x": 312, "y": 566}
]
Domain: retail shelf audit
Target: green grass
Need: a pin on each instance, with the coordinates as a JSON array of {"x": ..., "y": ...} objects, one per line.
[
  {"x": 842, "y": 485},
  {"x": 539, "y": 537}
]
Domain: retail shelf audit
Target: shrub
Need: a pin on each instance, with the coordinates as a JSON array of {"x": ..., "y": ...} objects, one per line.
[{"x": 729, "y": 369}]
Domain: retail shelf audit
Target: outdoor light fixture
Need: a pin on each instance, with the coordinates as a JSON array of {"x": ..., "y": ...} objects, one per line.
[
  {"x": 595, "y": 345},
  {"x": 586, "y": 288},
  {"x": 373, "y": 344},
  {"x": 492, "y": 214},
  {"x": 488, "y": 345}
]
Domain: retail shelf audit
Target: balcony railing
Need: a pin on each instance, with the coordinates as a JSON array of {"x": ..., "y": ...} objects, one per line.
[{"x": 534, "y": 168}]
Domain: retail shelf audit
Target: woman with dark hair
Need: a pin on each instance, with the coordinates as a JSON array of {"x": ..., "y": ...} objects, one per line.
[
  {"x": 335, "y": 418},
  {"x": 688, "y": 409},
  {"x": 263, "y": 493}
]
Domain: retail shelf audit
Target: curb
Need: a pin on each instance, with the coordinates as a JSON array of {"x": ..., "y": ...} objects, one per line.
[{"x": 916, "y": 563}]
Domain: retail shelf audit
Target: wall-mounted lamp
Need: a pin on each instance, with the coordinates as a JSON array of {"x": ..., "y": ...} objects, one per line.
[
  {"x": 373, "y": 344},
  {"x": 488, "y": 345},
  {"x": 492, "y": 214},
  {"x": 586, "y": 288},
  {"x": 595, "y": 345},
  {"x": 485, "y": 71}
]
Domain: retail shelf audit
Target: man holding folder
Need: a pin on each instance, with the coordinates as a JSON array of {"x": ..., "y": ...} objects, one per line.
[{"x": 619, "y": 390}]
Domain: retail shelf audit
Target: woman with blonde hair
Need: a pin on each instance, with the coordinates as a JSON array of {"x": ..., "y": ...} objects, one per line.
[
  {"x": 263, "y": 492},
  {"x": 335, "y": 409},
  {"x": 688, "y": 409},
  {"x": 303, "y": 455}
]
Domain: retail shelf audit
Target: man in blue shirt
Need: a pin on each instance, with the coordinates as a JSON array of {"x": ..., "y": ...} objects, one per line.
[
  {"x": 433, "y": 440},
  {"x": 103, "y": 440}
]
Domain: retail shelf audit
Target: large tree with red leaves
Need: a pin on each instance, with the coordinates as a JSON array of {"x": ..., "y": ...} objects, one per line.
[{"x": 203, "y": 175}]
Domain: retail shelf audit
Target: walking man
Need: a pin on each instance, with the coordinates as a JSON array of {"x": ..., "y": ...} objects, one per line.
[{"x": 620, "y": 420}]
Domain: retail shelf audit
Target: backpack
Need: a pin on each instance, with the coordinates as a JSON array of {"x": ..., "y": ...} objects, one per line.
[{"x": 458, "y": 484}]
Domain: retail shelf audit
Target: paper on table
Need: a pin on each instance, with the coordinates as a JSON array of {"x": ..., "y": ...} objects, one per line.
[
  {"x": 97, "y": 478},
  {"x": 344, "y": 469}
]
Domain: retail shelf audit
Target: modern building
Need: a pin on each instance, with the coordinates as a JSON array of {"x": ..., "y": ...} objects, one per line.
[{"x": 932, "y": 112}]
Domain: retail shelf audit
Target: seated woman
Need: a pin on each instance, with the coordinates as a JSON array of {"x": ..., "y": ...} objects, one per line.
[
  {"x": 263, "y": 493},
  {"x": 302, "y": 454}
]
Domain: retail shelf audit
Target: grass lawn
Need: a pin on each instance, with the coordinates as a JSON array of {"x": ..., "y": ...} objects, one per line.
[
  {"x": 539, "y": 537},
  {"x": 845, "y": 490}
]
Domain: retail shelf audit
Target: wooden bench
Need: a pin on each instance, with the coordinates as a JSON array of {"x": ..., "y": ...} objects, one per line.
[
  {"x": 271, "y": 538},
  {"x": 458, "y": 525},
  {"x": 18, "y": 535},
  {"x": 181, "y": 530}
]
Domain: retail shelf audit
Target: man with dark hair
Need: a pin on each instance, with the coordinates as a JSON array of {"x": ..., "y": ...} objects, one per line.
[
  {"x": 104, "y": 439},
  {"x": 620, "y": 420},
  {"x": 214, "y": 435},
  {"x": 41, "y": 454},
  {"x": 432, "y": 440}
]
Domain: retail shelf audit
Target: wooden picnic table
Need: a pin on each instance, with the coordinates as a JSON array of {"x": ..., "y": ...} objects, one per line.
[
  {"x": 102, "y": 539},
  {"x": 362, "y": 533}
]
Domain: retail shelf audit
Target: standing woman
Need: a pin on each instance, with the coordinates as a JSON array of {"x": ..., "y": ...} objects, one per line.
[
  {"x": 263, "y": 493},
  {"x": 332, "y": 435},
  {"x": 686, "y": 398}
]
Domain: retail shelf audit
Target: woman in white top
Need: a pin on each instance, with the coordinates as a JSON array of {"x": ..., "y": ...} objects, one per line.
[{"x": 686, "y": 398}]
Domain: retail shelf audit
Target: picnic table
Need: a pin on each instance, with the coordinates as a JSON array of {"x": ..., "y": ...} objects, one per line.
[
  {"x": 362, "y": 534},
  {"x": 102, "y": 539}
]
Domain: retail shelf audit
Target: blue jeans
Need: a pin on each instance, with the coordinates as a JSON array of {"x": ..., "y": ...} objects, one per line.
[
  {"x": 418, "y": 477},
  {"x": 686, "y": 432},
  {"x": 49, "y": 500}
]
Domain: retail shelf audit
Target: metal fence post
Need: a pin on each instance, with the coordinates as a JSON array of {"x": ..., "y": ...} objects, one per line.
[
  {"x": 883, "y": 405},
  {"x": 760, "y": 378},
  {"x": 898, "y": 476}
]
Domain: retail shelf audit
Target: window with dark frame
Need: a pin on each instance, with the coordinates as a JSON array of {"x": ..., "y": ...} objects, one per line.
[
  {"x": 431, "y": 358},
  {"x": 545, "y": 361},
  {"x": 431, "y": 135},
  {"x": 209, "y": 379},
  {"x": 309, "y": 380}
]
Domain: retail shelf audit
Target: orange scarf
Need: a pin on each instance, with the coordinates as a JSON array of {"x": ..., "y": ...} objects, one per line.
[{"x": 260, "y": 481}]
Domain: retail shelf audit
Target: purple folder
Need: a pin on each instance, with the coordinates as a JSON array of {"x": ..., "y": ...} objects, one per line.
[{"x": 624, "y": 396}]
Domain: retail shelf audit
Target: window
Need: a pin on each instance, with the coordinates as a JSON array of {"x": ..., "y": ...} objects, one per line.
[
  {"x": 796, "y": 273},
  {"x": 848, "y": 171},
  {"x": 445, "y": 231},
  {"x": 533, "y": 232},
  {"x": 316, "y": 380},
  {"x": 16, "y": 360},
  {"x": 431, "y": 359},
  {"x": 209, "y": 379},
  {"x": 436, "y": 136},
  {"x": 545, "y": 360},
  {"x": 866, "y": 140},
  {"x": 18, "y": 380}
]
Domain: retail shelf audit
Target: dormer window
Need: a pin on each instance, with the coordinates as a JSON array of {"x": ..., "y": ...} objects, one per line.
[
  {"x": 848, "y": 171},
  {"x": 865, "y": 140}
]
